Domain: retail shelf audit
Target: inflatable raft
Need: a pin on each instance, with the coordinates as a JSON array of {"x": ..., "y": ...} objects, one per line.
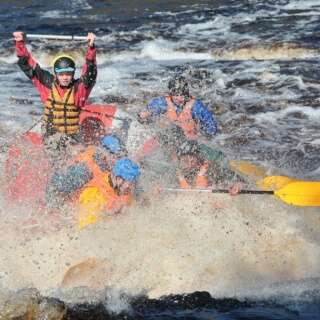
[{"x": 27, "y": 168}]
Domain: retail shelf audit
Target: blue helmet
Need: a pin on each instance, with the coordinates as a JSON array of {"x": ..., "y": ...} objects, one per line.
[
  {"x": 113, "y": 145},
  {"x": 126, "y": 169}
]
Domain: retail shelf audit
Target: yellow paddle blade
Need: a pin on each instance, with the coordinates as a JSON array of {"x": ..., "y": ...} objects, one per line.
[
  {"x": 274, "y": 182},
  {"x": 300, "y": 193},
  {"x": 247, "y": 169}
]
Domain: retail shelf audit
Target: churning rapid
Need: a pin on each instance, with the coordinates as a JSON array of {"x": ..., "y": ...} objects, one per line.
[{"x": 255, "y": 65}]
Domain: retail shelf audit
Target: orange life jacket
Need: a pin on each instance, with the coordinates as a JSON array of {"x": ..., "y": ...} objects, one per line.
[
  {"x": 115, "y": 202},
  {"x": 61, "y": 114},
  {"x": 97, "y": 197},
  {"x": 184, "y": 119},
  {"x": 95, "y": 170},
  {"x": 200, "y": 181},
  {"x": 87, "y": 157}
]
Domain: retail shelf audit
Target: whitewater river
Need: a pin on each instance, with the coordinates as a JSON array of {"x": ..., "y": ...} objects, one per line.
[{"x": 255, "y": 65}]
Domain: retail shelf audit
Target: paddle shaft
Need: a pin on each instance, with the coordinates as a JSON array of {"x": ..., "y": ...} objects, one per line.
[
  {"x": 57, "y": 37},
  {"x": 220, "y": 191},
  {"x": 300, "y": 193}
]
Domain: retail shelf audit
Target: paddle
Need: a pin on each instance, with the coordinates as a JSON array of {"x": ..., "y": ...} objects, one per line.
[
  {"x": 247, "y": 169},
  {"x": 266, "y": 182},
  {"x": 53, "y": 36},
  {"x": 301, "y": 193},
  {"x": 275, "y": 182}
]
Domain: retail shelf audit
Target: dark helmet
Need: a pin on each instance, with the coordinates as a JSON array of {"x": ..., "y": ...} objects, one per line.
[
  {"x": 63, "y": 63},
  {"x": 114, "y": 145},
  {"x": 189, "y": 148},
  {"x": 178, "y": 85}
]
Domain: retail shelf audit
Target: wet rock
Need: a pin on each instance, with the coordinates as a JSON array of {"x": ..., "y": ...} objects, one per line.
[{"x": 28, "y": 304}]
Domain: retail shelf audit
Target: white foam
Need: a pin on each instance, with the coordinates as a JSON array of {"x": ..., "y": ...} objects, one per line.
[{"x": 176, "y": 246}]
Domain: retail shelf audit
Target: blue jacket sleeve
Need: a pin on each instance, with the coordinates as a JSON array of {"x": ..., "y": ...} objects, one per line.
[
  {"x": 204, "y": 116},
  {"x": 64, "y": 183},
  {"x": 157, "y": 106}
]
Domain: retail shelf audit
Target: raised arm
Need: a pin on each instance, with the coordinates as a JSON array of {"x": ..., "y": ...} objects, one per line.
[
  {"x": 89, "y": 70},
  {"x": 91, "y": 37}
]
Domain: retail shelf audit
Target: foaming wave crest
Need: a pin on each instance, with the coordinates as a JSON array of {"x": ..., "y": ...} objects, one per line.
[
  {"x": 274, "y": 51},
  {"x": 179, "y": 245}
]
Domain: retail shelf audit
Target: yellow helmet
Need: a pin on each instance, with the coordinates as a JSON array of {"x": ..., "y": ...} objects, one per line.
[{"x": 63, "y": 63}]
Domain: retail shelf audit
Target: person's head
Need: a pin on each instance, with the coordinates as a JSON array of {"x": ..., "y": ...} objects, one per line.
[
  {"x": 64, "y": 67},
  {"x": 124, "y": 174},
  {"x": 179, "y": 91},
  {"x": 189, "y": 154},
  {"x": 111, "y": 149}
]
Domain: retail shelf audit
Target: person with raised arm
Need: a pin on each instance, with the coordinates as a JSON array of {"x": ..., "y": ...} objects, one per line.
[{"x": 62, "y": 94}]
